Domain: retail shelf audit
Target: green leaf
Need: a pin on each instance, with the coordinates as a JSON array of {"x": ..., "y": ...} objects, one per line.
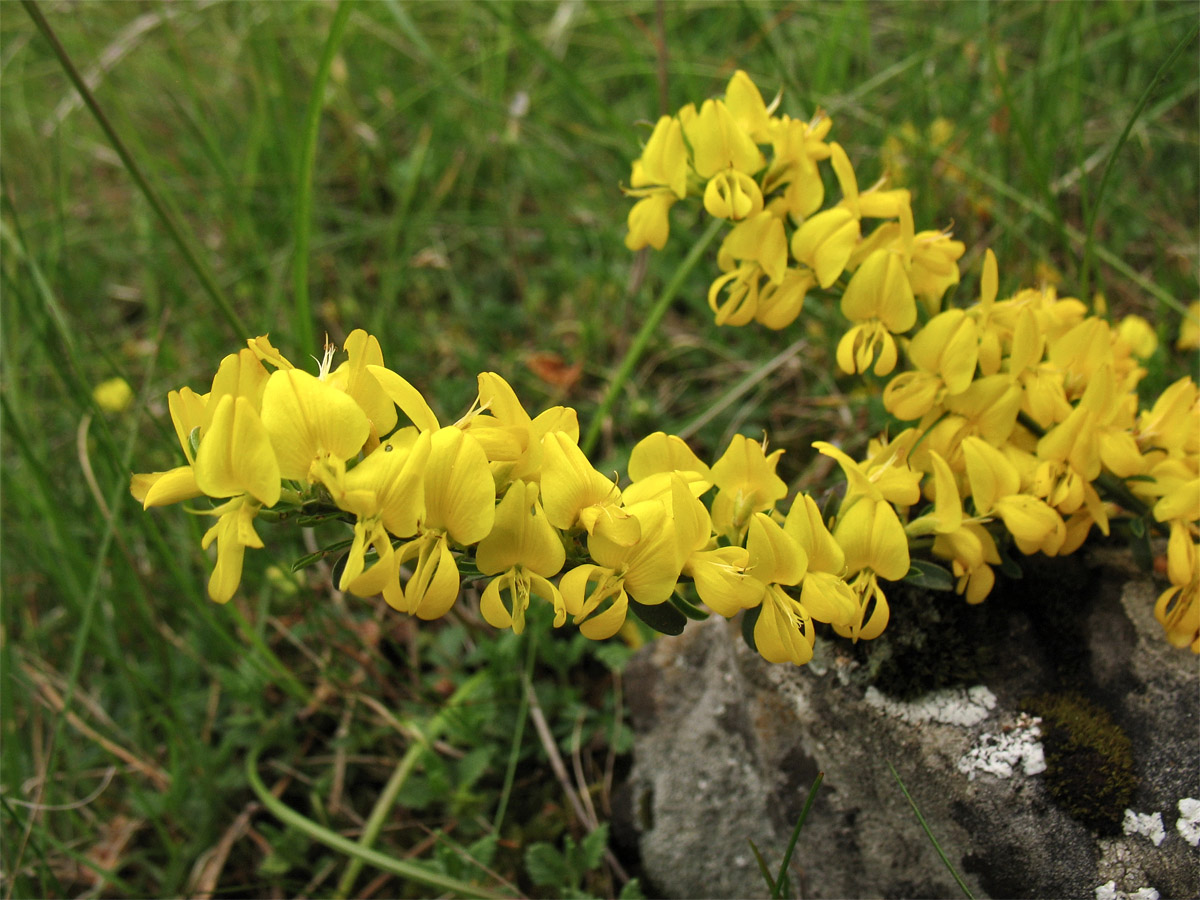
[
  {"x": 1008, "y": 565},
  {"x": 929, "y": 575},
  {"x": 749, "y": 620},
  {"x": 546, "y": 866},
  {"x": 688, "y": 608},
  {"x": 762, "y": 867},
  {"x": 662, "y": 617},
  {"x": 632, "y": 891},
  {"x": 594, "y": 846}
]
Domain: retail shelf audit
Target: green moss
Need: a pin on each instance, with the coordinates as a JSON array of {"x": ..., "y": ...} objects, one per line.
[
  {"x": 1089, "y": 759},
  {"x": 933, "y": 640}
]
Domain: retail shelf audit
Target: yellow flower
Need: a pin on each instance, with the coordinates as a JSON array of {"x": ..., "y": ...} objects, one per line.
[
  {"x": 645, "y": 570},
  {"x": 1178, "y": 607},
  {"x": 880, "y": 299},
  {"x": 524, "y": 550},
  {"x": 459, "y": 506},
  {"x": 311, "y": 424},
  {"x": 719, "y": 144},
  {"x": 1189, "y": 328},
  {"x": 746, "y": 483},
  {"x": 113, "y": 394}
]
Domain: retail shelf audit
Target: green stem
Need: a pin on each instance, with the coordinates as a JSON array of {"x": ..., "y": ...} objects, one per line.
[
  {"x": 642, "y": 339},
  {"x": 410, "y": 871},
  {"x": 387, "y": 799},
  {"x": 174, "y": 229},
  {"x": 304, "y": 178},
  {"x": 514, "y": 753}
]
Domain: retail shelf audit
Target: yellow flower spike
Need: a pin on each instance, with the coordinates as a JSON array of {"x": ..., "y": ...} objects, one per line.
[
  {"x": 718, "y": 143},
  {"x": 871, "y": 536},
  {"x": 575, "y": 494},
  {"x": 405, "y": 396},
  {"x": 825, "y": 241},
  {"x": 732, "y": 195},
  {"x": 527, "y": 549},
  {"x": 747, "y": 483},
  {"x": 746, "y": 105},
  {"x": 649, "y": 221},
  {"x": 661, "y": 452},
  {"x": 664, "y": 159},
  {"x": 234, "y": 532},
  {"x": 364, "y": 351},
  {"x": 309, "y": 422},
  {"x": 235, "y": 454}
]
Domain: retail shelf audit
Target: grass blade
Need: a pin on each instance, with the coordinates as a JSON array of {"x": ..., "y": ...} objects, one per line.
[
  {"x": 787, "y": 856},
  {"x": 962, "y": 885},
  {"x": 174, "y": 229},
  {"x": 414, "y": 873}
]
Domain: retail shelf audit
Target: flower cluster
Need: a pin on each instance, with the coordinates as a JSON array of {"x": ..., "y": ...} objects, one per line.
[
  {"x": 516, "y": 498},
  {"x": 1024, "y": 410}
]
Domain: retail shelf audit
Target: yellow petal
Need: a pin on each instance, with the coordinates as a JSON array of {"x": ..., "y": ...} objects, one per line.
[
  {"x": 783, "y": 633},
  {"x": 460, "y": 496},
  {"x": 164, "y": 488},
  {"x": 236, "y": 456},
  {"x": 405, "y": 396},
  {"x": 521, "y": 536},
  {"x": 308, "y": 419}
]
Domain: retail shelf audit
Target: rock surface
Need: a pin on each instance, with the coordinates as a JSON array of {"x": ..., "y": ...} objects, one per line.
[{"x": 727, "y": 747}]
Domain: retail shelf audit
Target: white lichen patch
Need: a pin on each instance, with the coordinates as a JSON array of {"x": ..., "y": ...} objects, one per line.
[
  {"x": 954, "y": 706},
  {"x": 1148, "y": 824},
  {"x": 1109, "y": 892},
  {"x": 1002, "y": 753},
  {"x": 1188, "y": 823}
]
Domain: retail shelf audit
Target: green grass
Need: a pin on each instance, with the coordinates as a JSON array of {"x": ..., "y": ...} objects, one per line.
[{"x": 467, "y": 237}]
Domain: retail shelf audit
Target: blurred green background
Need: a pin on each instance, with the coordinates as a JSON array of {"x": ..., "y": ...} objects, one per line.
[{"x": 463, "y": 204}]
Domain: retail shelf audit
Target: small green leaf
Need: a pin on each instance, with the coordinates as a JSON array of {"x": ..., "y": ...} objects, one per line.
[
  {"x": 929, "y": 575},
  {"x": 688, "y": 608},
  {"x": 1009, "y": 566},
  {"x": 594, "y": 846},
  {"x": 749, "y": 620},
  {"x": 762, "y": 867},
  {"x": 1137, "y": 527},
  {"x": 632, "y": 891},
  {"x": 662, "y": 617},
  {"x": 546, "y": 866}
]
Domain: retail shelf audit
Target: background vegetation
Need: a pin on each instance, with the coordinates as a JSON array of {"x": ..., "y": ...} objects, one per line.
[{"x": 463, "y": 203}]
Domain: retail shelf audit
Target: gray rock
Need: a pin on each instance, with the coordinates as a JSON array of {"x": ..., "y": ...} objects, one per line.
[{"x": 728, "y": 745}]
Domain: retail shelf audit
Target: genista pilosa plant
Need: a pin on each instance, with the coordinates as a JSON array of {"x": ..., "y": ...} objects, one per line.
[{"x": 1025, "y": 433}]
